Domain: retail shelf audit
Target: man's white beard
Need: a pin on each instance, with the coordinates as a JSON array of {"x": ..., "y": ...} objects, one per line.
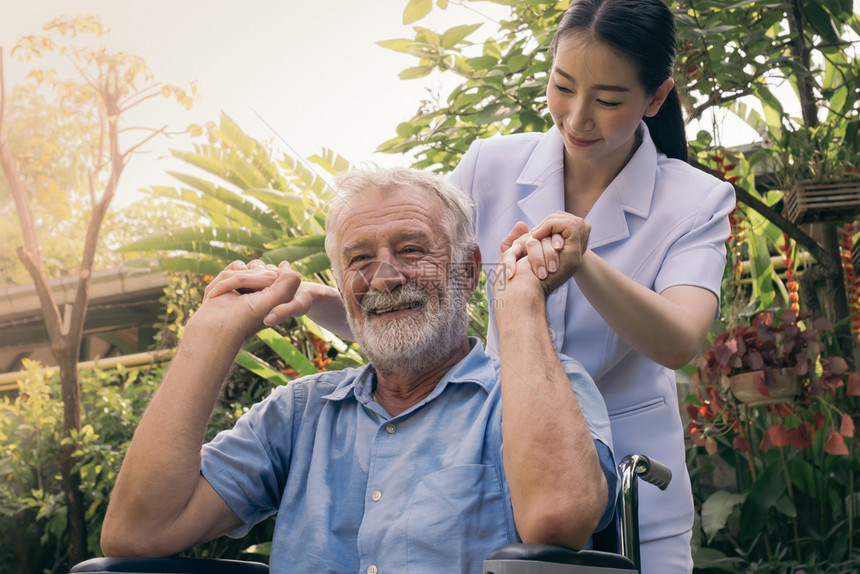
[{"x": 407, "y": 346}]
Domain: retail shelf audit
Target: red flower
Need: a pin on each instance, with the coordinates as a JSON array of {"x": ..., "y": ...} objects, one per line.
[
  {"x": 711, "y": 446},
  {"x": 835, "y": 445},
  {"x": 692, "y": 411},
  {"x": 800, "y": 437},
  {"x": 740, "y": 443},
  {"x": 781, "y": 409},
  {"x": 778, "y": 435},
  {"x": 818, "y": 421},
  {"x": 847, "y": 427}
]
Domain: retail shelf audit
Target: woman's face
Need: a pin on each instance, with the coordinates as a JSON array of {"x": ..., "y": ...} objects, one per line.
[{"x": 596, "y": 100}]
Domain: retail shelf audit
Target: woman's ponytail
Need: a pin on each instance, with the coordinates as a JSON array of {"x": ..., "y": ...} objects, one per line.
[{"x": 667, "y": 127}]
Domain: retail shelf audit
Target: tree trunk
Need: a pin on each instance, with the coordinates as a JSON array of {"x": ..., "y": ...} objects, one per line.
[{"x": 66, "y": 355}]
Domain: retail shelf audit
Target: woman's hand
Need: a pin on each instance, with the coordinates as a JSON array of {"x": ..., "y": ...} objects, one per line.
[{"x": 554, "y": 249}]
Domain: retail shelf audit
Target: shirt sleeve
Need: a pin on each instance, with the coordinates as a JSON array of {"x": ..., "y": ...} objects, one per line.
[
  {"x": 245, "y": 466},
  {"x": 597, "y": 418},
  {"x": 698, "y": 257}
]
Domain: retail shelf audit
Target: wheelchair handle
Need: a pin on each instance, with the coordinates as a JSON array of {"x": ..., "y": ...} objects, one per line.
[
  {"x": 648, "y": 469},
  {"x": 635, "y": 466}
]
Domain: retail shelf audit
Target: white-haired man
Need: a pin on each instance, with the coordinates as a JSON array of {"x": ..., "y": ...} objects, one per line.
[{"x": 424, "y": 460}]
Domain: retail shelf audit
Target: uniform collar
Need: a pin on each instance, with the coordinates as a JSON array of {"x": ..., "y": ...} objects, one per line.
[{"x": 630, "y": 192}]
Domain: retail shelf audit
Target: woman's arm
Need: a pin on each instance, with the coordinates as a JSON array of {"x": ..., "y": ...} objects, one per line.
[
  {"x": 667, "y": 327},
  {"x": 321, "y": 303}
]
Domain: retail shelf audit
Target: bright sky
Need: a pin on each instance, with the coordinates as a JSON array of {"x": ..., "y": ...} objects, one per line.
[{"x": 310, "y": 68}]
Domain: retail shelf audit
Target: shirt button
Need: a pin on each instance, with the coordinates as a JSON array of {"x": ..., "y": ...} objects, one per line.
[
  {"x": 372, "y": 569},
  {"x": 552, "y": 334},
  {"x": 375, "y": 496},
  {"x": 390, "y": 428}
]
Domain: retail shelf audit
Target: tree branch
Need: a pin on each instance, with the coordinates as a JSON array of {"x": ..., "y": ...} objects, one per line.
[
  {"x": 138, "y": 98},
  {"x": 136, "y": 146},
  {"x": 30, "y": 252}
]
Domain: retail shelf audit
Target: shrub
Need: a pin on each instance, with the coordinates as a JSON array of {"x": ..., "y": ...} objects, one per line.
[{"x": 33, "y": 537}]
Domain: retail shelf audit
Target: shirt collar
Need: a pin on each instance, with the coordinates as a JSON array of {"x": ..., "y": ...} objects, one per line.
[{"x": 476, "y": 367}]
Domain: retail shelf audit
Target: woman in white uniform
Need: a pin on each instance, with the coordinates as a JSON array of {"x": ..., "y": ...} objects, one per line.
[
  {"x": 612, "y": 175},
  {"x": 612, "y": 172}
]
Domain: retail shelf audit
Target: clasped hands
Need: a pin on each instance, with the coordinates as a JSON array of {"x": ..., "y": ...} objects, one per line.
[{"x": 553, "y": 251}]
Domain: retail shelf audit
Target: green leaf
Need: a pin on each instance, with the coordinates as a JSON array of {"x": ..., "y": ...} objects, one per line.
[
  {"x": 821, "y": 20},
  {"x": 261, "y": 549},
  {"x": 717, "y": 509},
  {"x": 398, "y": 45},
  {"x": 802, "y": 476},
  {"x": 287, "y": 351},
  {"x": 317, "y": 241},
  {"x": 482, "y": 63},
  {"x": 515, "y": 63},
  {"x": 457, "y": 34},
  {"x": 290, "y": 253},
  {"x": 415, "y": 10},
  {"x": 415, "y": 72},
  {"x": 492, "y": 49},
  {"x": 713, "y": 558},
  {"x": 785, "y": 506},
  {"x": 761, "y": 270},
  {"x": 261, "y": 368},
  {"x": 187, "y": 264},
  {"x": 200, "y": 236},
  {"x": 762, "y": 496},
  {"x": 493, "y": 113},
  {"x": 314, "y": 264},
  {"x": 273, "y": 197}
]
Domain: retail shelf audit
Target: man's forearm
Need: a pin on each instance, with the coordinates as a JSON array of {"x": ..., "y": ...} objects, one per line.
[
  {"x": 558, "y": 489},
  {"x": 161, "y": 470}
]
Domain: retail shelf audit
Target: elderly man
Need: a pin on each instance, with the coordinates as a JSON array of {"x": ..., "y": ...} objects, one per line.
[{"x": 422, "y": 461}]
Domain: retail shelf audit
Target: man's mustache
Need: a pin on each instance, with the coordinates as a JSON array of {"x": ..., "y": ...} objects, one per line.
[{"x": 409, "y": 296}]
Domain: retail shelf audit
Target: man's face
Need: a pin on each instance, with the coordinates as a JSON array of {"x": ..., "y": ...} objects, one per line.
[{"x": 394, "y": 258}]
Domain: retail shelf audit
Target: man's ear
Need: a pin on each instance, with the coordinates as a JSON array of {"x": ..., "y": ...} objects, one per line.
[{"x": 659, "y": 97}]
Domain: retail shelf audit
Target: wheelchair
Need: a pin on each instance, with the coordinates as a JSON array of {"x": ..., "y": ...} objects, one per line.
[{"x": 616, "y": 548}]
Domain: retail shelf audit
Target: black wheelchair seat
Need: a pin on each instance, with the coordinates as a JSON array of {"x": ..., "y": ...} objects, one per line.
[
  {"x": 545, "y": 559},
  {"x": 169, "y": 566}
]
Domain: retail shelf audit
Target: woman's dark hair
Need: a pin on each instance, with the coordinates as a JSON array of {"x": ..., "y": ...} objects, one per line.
[{"x": 643, "y": 32}]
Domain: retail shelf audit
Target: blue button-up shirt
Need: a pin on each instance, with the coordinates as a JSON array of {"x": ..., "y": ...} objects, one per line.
[{"x": 357, "y": 490}]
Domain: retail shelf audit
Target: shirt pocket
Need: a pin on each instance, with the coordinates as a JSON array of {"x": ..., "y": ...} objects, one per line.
[{"x": 458, "y": 515}]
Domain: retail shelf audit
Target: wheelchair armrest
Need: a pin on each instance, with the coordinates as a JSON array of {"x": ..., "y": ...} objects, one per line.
[
  {"x": 169, "y": 566},
  {"x": 540, "y": 558}
]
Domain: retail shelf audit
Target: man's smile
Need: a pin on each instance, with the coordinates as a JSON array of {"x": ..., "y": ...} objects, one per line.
[{"x": 401, "y": 307}]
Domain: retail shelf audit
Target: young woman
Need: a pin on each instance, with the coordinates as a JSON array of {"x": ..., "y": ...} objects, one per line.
[
  {"x": 651, "y": 230},
  {"x": 612, "y": 172}
]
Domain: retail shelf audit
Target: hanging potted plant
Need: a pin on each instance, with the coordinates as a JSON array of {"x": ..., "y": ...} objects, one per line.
[
  {"x": 766, "y": 362},
  {"x": 821, "y": 174}
]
